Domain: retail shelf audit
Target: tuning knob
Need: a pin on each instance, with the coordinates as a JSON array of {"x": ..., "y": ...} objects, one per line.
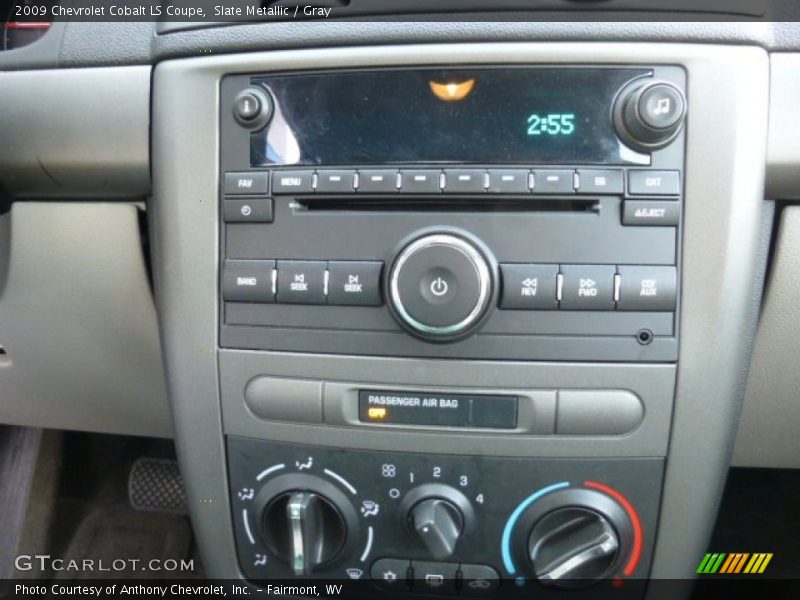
[
  {"x": 572, "y": 543},
  {"x": 306, "y": 522},
  {"x": 437, "y": 515},
  {"x": 649, "y": 115}
]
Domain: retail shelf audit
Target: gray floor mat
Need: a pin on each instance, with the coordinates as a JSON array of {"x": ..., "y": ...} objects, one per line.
[
  {"x": 19, "y": 448},
  {"x": 113, "y": 537}
]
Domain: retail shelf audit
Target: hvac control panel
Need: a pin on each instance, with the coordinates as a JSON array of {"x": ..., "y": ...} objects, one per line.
[{"x": 442, "y": 524}]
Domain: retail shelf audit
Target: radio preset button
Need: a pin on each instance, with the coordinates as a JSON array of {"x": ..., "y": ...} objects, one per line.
[
  {"x": 247, "y": 210},
  {"x": 553, "y": 181},
  {"x": 587, "y": 287},
  {"x": 380, "y": 181},
  {"x": 508, "y": 181},
  {"x": 600, "y": 181},
  {"x": 648, "y": 288},
  {"x": 419, "y": 181},
  {"x": 531, "y": 287},
  {"x": 354, "y": 283},
  {"x": 464, "y": 181},
  {"x": 292, "y": 182},
  {"x": 247, "y": 183},
  {"x": 301, "y": 282},
  {"x": 247, "y": 281},
  {"x": 654, "y": 183},
  {"x": 651, "y": 212},
  {"x": 336, "y": 181}
]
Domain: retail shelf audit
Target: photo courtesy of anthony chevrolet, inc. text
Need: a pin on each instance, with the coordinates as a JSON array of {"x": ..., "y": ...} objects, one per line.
[{"x": 400, "y": 299}]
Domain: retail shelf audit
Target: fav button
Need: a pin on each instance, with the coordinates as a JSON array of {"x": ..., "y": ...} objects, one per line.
[
  {"x": 301, "y": 282},
  {"x": 648, "y": 288},
  {"x": 587, "y": 287},
  {"x": 355, "y": 283},
  {"x": 246, "y": 183}
]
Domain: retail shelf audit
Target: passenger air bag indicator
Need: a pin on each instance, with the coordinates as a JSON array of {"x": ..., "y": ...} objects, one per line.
[{"x": 432, "y": 409}]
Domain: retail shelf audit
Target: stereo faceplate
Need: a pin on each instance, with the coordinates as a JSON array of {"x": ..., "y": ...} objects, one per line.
[{"x": 582, "y": 259}]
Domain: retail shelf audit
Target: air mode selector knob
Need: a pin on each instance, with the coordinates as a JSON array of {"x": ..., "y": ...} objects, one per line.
[
  {"x": 306, "y": 522},
  {"x": 649, "y": 115},
  {"x": 440, "y": 286}
]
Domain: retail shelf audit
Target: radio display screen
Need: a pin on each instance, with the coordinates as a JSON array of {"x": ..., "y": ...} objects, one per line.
[{"x": 503, "y": 115}]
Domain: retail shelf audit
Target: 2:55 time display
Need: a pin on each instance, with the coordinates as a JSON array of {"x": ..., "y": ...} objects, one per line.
[{"x": 553, "y": 124}]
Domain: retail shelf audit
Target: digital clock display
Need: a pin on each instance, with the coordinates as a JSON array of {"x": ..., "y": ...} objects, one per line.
[
  {"x": 513, "y": 115},
  {"x": 553, "y": 124}
]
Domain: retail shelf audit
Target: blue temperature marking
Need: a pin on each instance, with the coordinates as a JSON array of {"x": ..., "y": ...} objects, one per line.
[{"x": 505, "y": 543}]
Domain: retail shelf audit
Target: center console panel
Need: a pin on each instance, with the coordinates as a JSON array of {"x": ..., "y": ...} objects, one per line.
[{"x": 417, "y": 341}]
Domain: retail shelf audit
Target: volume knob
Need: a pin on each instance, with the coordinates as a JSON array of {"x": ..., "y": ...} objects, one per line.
[{"x": 648, "y": 116}]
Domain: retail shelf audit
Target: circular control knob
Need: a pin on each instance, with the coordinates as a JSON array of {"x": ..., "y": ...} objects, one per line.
[
  {"x": 437, "y": 516},
  {"x": 648, "y": 116},
  {"x": 571, "y": 538},
  {"x": 252, "y": 108},
  {"x": 572, "y": 543},
  {"x": 438, "y": 525},
  {"x": 440, "y": 286},
  {"x": 306, "y": 522}
]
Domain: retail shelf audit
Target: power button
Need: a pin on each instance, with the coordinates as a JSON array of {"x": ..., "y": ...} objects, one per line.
[{"x": 440, "y": 286}]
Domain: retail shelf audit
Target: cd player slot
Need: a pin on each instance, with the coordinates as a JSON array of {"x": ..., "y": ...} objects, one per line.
[{"x": 449, "y": 204}]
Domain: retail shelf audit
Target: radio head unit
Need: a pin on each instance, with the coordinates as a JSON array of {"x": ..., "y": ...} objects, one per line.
[{"x": 527, "y": 212}]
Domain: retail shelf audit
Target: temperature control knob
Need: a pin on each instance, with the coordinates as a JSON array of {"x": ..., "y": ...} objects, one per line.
[
  {"x": 649, "y": 115},
  {"x": 306, "y": 522},
  {"x": 571, "y": 538},
  {"x": 572, "y": 543},
  {"x": 437, "y": 515}
]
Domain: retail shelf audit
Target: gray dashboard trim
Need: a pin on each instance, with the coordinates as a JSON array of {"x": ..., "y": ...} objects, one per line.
[
  {"x": 772, "y": 406},
  {"x": 724, "y": 188},
  {"x": 78, "y": 321},
  {"x": 76, "y": 133},
  {"x": 783, "y": 148}
]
